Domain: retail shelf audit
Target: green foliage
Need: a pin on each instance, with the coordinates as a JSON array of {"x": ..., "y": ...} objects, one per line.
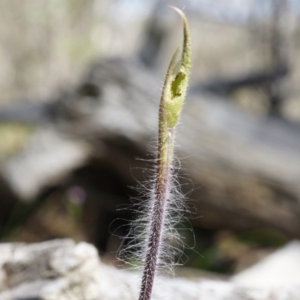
[{"x": 264, "y": 237}]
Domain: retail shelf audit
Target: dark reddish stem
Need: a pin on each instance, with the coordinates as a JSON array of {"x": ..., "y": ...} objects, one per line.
[{"x": 159, "y": 211}]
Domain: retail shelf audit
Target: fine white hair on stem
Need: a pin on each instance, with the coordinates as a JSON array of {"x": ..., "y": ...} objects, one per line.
[
  {"x": 155, "y": 227},
  {"x": 133, "y": 251}
]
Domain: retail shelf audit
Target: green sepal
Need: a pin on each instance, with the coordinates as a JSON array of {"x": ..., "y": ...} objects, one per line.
[{"x": 176, "y": 81}]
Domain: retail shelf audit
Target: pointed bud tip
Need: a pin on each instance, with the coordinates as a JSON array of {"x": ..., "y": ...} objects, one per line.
[{"x": 179, "y": 11}]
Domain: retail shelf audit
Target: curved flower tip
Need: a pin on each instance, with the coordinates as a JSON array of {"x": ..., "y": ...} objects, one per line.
[
  {"x": 176, "y": 81},
  {"x": 186, "y": 47}
]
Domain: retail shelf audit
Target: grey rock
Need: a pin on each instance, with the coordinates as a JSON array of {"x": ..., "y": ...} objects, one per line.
[{"x": 62, "y": 269}]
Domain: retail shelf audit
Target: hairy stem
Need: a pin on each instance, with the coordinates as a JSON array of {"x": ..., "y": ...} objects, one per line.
[
  {"x": 159, "y": 210},
  {"x": 172, "y": 98}
]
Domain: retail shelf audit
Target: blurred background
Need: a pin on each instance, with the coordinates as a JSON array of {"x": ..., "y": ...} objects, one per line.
[{"x": 80, "y": 84}]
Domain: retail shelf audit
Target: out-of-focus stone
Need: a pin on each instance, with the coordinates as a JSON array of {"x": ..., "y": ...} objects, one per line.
[
  {"x": 64, "y": 270},
  {"x": 280, "y": 269}
]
